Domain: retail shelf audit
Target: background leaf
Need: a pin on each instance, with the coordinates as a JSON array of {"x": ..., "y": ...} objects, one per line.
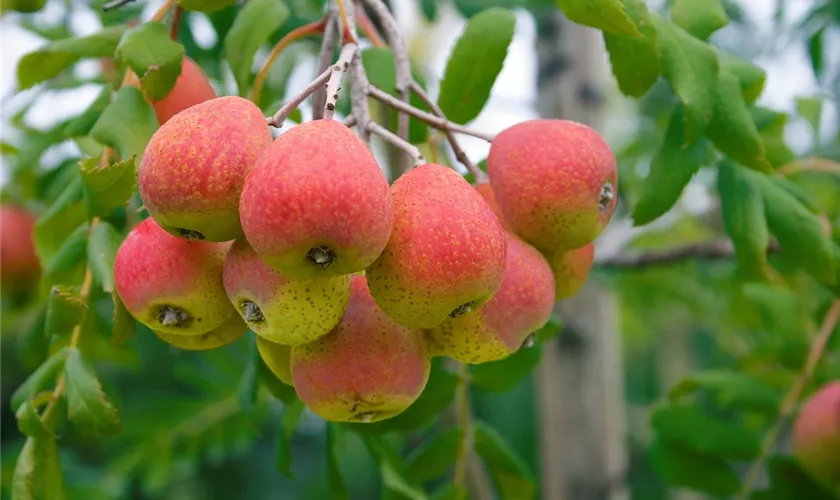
[
  {"x": 37, "y": 473},
  {"x": 731, "y": 388},
  {"x": 606, "y": 15},
  {"x": 693, "y": 430},
  {"x": 742, "y": 207},
  {"x": 87, "y": 405},
  {"x": 107, "y": 188},
  {"x": 635, "y": 61},
  {"x": 701, "y": 18},
  {"x": 681, "y": 467},
  {"x": 254, "y": 24},
  {"x": 509, "y": 471},
  {"x": 505, "y": 374},
  {"x": 65, "y": 310},
  {"x": 153, "y": 57},
  {"x": 43, "y": 378},
  {"x": 732, "y": 129},
  {"x": 436, "y": 455},
  {"x": 127, "y": 124},
  {"x": 395, "y": 473}
]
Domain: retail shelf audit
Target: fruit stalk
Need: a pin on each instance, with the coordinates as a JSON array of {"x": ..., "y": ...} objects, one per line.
[
  {"x": 788, "y": 405},
  {"x": 410, "y": 149}
]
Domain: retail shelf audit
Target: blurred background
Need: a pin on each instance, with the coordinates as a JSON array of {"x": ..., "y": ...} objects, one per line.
[{"x": 580, "y": 420}]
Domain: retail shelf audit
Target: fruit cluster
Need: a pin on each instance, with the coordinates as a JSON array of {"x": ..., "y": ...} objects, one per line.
[{"x": 350, "y": 284}]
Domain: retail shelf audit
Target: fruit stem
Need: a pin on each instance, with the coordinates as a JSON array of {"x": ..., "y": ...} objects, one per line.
[
  {"x": 462, "y": 402},
  {"x": 312, "y": 28},
  {"x": 412, "y": 150},
  {"x": 791, "y": 399}
]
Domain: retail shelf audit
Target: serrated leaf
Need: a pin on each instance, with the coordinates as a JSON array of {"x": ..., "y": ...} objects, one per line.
[
  {"x": 43, "y": 378},
  {"x": 671, "y": 169},
  {"x": 635, "y": 61},
  {"x": 395, "y": 473},
  {"x": 750, "y": 77},
  {"x": 127, "y": 124},
  {"x": 701, "y": 18},
  {"x": 61, "y": 219},
  {"x": 731, "y": 388},
  {"x": 102, "y": 252},
  {"x": 742, "y": 208},
  {"x": 108, "y": 187},
  {"x": 49, "y": 60},
  {"x": 810, "y": 108},
  {"x": 87, "y": 405},
  {"x": 507, "y": 373},
  {"x": 154, "y": 57},
  {"x": 800, "y": 232},
  {"x": 691, "y": 67},
  {"x": 678, "y": 466},
  {"x": 65, "y": 310},
  {"x": 124, "y": 322},
  {"x": 335, "y": 482},
  {"x": 693, "y": 430},
  {"x": 475, "y": 62},
  {"x": 732, "y": 128},
  {"x": 37, "y": 474},
  {"x": 291, "y": 415},
  {"x": 253, "y": 26},
  {"x": 606, "y": 15},
  {"x": 64, "y": 266},
  {"x": 30, "y": 423},
  {"x": 509, "y": 471},
  {"x": 81, "y": 125},
  {"x": 436, "y": 455}
]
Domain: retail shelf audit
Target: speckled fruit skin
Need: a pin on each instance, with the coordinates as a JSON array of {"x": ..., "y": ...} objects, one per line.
[
  {"x": 277, "y": 358},
  {"x": 317, "y": 185},
  {"x": 369, "y": 368},
  {"x": 447, "y": 249},
  {"x": 486, "y": 191},
  {"x": 192, "y": 87},
  {"x": 205, "y": 5},
  {"x": 227, "y": 333},
  {"x": 816, "y": 434},
  {"x": 548, "y": 176},
  {"x": 19, "y": 265},
  {"x": 154, "y": 269},
  {"x": 291, "y": 311},
  {"x": 522, "y": 305},
  {"x": 571, "y": 269},
  {"x": 192, "y": 171}
]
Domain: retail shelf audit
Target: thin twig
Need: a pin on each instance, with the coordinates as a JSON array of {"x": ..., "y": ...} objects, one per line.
[
  {"x": 348, "y": 27},
  {"x": 161, "y": 12},
  {"x": 410, "y": 149},
  {"x": 292, "y": 104},
  {"x": 462, "y": 403},
  {"x": 358, "y": 97},
  {"x": 367, "y": 27},
  {"x": 176, "y": 22},
  {"x": 325, "y": 59},
  {"x": 707, "y": 250},
  {"x": 116, "y": 4},
  {"x": 334, "y": 82},
  {"x": 815, "y": 164},
  {"x": 788, "y": 405}
]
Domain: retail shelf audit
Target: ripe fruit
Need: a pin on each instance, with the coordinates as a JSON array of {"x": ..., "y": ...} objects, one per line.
[
  {"x": 205, "y": 5},
  {"x": 522, "y": 305},
  {"x": 555, "y": 181},
  {"x": 367, "y": 369},
  {"x": 816, "y": 434},
  {"x": 571, "y": 268},
  {"x": 489, "y": 196},
  {"x": 19, "y": 264},
  {"x": 446, "y": 255},
  {"x": 316, "y": 203},
  {"x": 277, "y": 358},
  {"x": 192, "y": 171},
  {"x": 227, "y": 333},
  {"x": 192, "y": 87},
  {"x": 172, "y": 285},
  {"x": 286, "y": 311}
]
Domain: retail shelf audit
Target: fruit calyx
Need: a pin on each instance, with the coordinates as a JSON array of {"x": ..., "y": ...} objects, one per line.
[
  {"x": 607, "y": 195},
  {"x": 251, "y": 312},
  {"x": 173, "y": 316},
  {"x": 321, "y": 256},
  {"x": 462, "y": 309},
  {"x": 189, "y": 234}
]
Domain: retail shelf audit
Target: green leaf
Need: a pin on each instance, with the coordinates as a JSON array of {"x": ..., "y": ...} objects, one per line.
[
  {"x": 429, "y": 9},
  {"x": 109, "y": 187},
  {"x": 65, "y": 310},
  {"x": 816, "y": 43},
  {"x": 671, "y": 169},
  {"x": 698, "y": 432},
  {"x": 291, "y": 415},
  {"x": 796, "y": 191},
  {"x": 102, "y": 252},
  {"x": 253, "y": 26},
  {"x": 395, "y": 472},
  {"x": 789, "y": 480},
  {"x": 50, "y": 59},
  {"x": 64, "y": 266},
  {"x": 436, "y": 455},
  {"x": 634, "y": 60},
  {"x": 732, "y": 128},
  {"x": 124, "y": 322},
  {"x": 30, "y": 423},
  {"x": 771, "y": 124},
  {"x": 334, "y": 480},
  {"x": 87, "y": 405},
  {"x": 810, "y": 108},
  {"x": 691, "y": 67},
  {"x": 731, "y": 388},
  {"x": 800, "y": 232},
  {"x": 750, "y": 76},
  {"x": 381, "y": 68},
  {"x": 505, "y": 374},
  {"x": 275, "y": 386},
  {"x": 43, "y": 378},
  {"x": 701, "y": 18},
  {"x": 606, "y": 15},
  {"x": 152, "y": 56},
  {"x": 37, "y": 474},
  {"x": 680, "y": 467},
  {"x": 127, "y": 124},
  {"x": 475, "y": 62},
  {"x": 61, "y": 219},
  {"x": 509, "y": 471},
  {"x": 81, "y": 125},
  {"x": 249, "y": 383},
  {"x": 742, "y": 207}
]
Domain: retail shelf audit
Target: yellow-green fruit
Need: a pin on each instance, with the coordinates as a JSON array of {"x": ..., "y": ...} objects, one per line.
[
  {"x": 218, "y": 337},
  {"x": 286, "y": 311},
  {"x": 277, "y": 358},
  {"x": 205, "y": 5},
  {"x": 571, "y": 269}
]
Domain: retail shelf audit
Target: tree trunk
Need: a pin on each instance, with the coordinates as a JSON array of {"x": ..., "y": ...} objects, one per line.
[{"x": 580, "y": 379}]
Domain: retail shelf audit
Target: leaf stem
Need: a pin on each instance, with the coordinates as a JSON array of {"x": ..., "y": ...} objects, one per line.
[
  {"x": 462, "y": 402},
  {"x": 788, "y": 405},
  {"x": 313, "y": 28},
  {"x": 409, "y": 148}
]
